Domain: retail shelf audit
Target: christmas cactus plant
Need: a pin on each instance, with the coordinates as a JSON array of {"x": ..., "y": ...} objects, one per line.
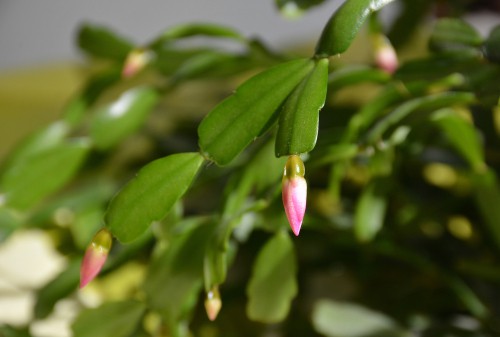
[{"x": 203, "y": 191}]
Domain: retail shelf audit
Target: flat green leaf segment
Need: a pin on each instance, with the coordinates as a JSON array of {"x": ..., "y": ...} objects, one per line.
[
  {"x": 273, "y": 284},
  {"x": 117, "y": 319},
  {"x": 492, "y": 45},
  {"x": 38, "y": 172},
  {"x": 299, "y": 119},
  {"x": 100, "y": 42},
  {"x": 462, "y": 136},
  {"x": 370, "y": 210},
  {"x": 334, "y": 319},
  {"x": 251, "y": 110},
  {"x": 150, "y": 195},
  {"x": 196, "y": 29},
  {"x": 454, "y": 35},
  {"x": 118, "y": 120},
  {"x": 344, "y": 25},
  {"x": 175, "y": 276}
]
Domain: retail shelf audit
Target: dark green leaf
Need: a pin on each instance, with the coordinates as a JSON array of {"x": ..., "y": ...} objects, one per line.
[
  {"x": 150, "y": 195},
  {"x": 299, "y": 119},
  {"x": 370, "y": 210},
  {"x": 273, "y": 285},
  {"x": 100, "y": 42},
  {"x": 29, "y": 180},
  {"x": 462, "y": 135},
  {"x": 435, "y": 101},
  {"x": 492, "y": 45},
  {"x": 487, "y": 199},
  {"x": 344, "y": 24},
  {"x": 175, "y": 276},
  {"x": 118, "y": 120},
  {"x": 294, "y": 8},
  {"x": 451, "y": 34},
  {"x": 117, "y": 319},
  {"x": 61, "y": 286},
  {"x": 238, "y": 120},
  {"x": 334, "y": 319}
]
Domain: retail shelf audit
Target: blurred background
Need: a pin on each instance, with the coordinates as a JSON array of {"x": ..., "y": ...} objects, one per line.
[{"x": 40, "y": 68}]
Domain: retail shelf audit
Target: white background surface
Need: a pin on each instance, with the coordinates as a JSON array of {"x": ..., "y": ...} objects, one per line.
[{"x": 34, "y": 32}]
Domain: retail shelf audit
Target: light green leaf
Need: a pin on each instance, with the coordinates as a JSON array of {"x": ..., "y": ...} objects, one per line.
[
  {"x": 462, "y": 136},
  {"x": 117, "y": 319},
  {"x": 150, "y": 195},
  {"x": 299, "y": 119},
  {"x": 344, "y": 24},
  {"x": 9, "y": 222},
  {"x": 101, "y": 42},
  {"x": 336, "y": 319},
  {"x": 452, "y": 34},
  {"x": 370, "y": 210},
  {"x": 61, "y": 286},
  {"x": 39, "y": 174},
  {"x": 118, "y": 120},
  {"x": 251, "y": 110},
  {"x": 273, "y": 285}
]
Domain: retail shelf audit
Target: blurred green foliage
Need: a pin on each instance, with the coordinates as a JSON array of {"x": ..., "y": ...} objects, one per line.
[{"x": 402, "y": 231}]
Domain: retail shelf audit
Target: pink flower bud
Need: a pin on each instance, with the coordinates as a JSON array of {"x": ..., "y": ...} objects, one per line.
[
  {"x": 294, "y": 192},
  {"x": 95, "y": 256},
  {"x": 213, "y": 303},
  {"x": 136, "y": 60},
  {"x": 385, "y": 55}
]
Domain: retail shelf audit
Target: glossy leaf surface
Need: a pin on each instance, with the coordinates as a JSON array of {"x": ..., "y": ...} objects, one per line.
[
  {"x": 344, "y": 25},
  {"x": 150, "y": 195},
  {"x": 299, "y": 119},
  {"x": 121, "y": 118},
  {"x": 273, "y": 284},
  {"x": 117, "y": 319},
  {"x": 34, "y": 177},
  {"x": 251, "y": 110}
]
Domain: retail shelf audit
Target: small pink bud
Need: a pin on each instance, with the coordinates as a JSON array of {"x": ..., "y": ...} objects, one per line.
[
  {"x": 136, "y": 60},
  {"x": 95, "y": 256},
  {"x": 385, "y": 55},
  {"x": 213, "y": 303},
  {"x": 294, "y": 192}
]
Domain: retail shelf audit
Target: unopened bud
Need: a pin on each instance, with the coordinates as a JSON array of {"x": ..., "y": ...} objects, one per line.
[
  {"x": 385, "y": 55},
  {"x": 213, "y": 303},
  {"x": 136, "y": 60},
  {"x": 294, "y": 192},
  {"x": 95, "y": 256}
]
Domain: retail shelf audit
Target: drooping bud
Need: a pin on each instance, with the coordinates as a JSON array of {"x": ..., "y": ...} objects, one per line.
[
  {"x": 213, "y": 303},
  {"x": 136, "y": 60},
  {"x": 95, "y": 256},
  {"x": 294, "y": 192},
  {"x": 385, "y": 55}
]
